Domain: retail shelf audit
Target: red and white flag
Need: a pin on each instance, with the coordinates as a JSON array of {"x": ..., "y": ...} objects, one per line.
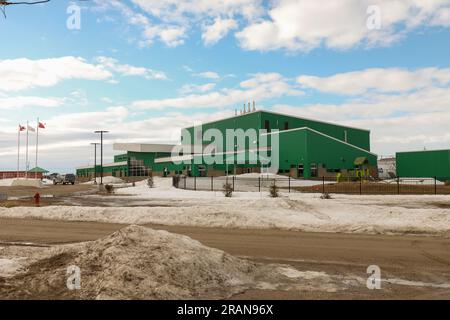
[
  {"x": 30, "y": 128},
  {"x": 22, "y": 128},
  {"x": 41, "y": 125}
]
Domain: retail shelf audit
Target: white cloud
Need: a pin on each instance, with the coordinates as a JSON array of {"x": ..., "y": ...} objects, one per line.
[
  {"x": 377, "y": 80},
  {"x": 171, "y": 35},
  {"x": 212, "y": 33},
  {"x": 21, "y": 74},
  {"x": 113, "y": 65},
  {"x": 302, "y": 25},
  {"x": 170, "y": 21},
  {"x": 261, "y": 86},
  {"x": 209, "y": 75},
  {"x": 188, "y": 88},
  {"x": 405, "y": 110},
  {"x": 442, "y": 18},
  {"x": 29, "y": 101},
  {"x": 295, "y": 25},
  {"x": 72, "y": 133}
]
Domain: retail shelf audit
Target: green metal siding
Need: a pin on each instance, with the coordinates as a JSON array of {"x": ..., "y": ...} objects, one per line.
[
  {"x": 357, "y": 137},
  {"x": 256, "y": 120},
  {"x": 312, "y": 147},
  {"x": 424, "y": 164},
  {"x": 121, "y": 157},
  {"x": 334, "y": 154}
]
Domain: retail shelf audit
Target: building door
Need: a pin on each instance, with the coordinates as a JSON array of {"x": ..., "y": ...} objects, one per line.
[
  {"x": 202, "y": 171},
  {"x": 300, "y": 171}
]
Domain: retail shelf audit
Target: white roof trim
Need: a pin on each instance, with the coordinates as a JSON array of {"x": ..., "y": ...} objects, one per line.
[
  {"x": 439, "y": 150},
  {"x": 114, "y": 164},
  {"x": 191, "y": 156},
  {"x": 139, "y": 147},
  {"x": 323, "y": 134}
]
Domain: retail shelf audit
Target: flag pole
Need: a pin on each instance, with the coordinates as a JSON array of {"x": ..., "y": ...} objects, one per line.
[
  {"x": 37, "y": 147},
  {"x": 18, "y": 152},
  {"x": 26, "y": 157}
]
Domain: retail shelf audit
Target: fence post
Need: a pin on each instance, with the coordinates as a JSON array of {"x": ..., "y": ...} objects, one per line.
[
  {"x": 398, "y": 185},
  {"x": 259, "y": 184},
  {"x": 212, "y": 183},
  {"x": 233, "y": 182},
  {"x": 195, "y": 183},
  {"x": 323, "y": 185},
  {"x": 435, "y": 186},
  {"x": 360, "y": 185},
  {"x": 289, "y": 184},
  {"x": 184, "y": 182}
]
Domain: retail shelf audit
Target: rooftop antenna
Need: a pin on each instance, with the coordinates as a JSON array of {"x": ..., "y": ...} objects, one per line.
[
  {"x": 244, "y": 109},
  {"x": 249, "y": 110},
  {"x": 254, "y": 106}
]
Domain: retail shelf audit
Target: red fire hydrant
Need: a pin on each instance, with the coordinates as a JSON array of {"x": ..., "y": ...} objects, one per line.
[{"x": 37, "y": 199}]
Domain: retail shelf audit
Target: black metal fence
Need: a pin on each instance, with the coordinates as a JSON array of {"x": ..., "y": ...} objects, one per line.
[{"x": 412, "y": 186}]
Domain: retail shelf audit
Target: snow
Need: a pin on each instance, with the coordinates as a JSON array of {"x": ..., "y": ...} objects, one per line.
[
  {"x": 386, "y": 214},
  {"x": 6, "y": 182},
  {"x": 413, "y": 181},
  {"x": 21, "y": 182},
  {"x": 248, "y": 182},
  {"x": 107, "y": 180},
  {"x": 9, "y": 267},
  {"x": 141, "y": 263}
]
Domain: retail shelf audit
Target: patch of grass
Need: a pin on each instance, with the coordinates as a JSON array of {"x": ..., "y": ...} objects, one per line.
[
  {"x": 274, "y": 191},
  {"x": 326, "y": 196},
  {"x": 228, "y": 190}
]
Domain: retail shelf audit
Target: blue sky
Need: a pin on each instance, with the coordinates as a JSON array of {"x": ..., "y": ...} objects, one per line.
[{"x": 144, "y": 68}]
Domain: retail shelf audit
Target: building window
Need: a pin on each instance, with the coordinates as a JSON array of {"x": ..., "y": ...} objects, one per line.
[
  {"x": 267, "y": 125},
  {"x": 286, "y": 125},
  {"x": 313, "y": 170}
]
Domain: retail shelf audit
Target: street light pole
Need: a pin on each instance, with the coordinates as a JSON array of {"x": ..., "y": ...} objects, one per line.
[
  {"x": 101, "y": 153},
  {"x": 95, "y": 144}
]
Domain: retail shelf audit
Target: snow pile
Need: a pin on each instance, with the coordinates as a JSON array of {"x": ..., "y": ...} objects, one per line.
[
  {"x": 6, "y": 182},
  {"x": 35, "y": 183},
  {"x": 107, "y": 180},
  {"x": 9, "y": 267},
  {"x": 141, "y": 263}
]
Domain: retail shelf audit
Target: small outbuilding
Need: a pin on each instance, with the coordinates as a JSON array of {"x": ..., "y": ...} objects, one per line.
[{"x": 424, "y": 164}]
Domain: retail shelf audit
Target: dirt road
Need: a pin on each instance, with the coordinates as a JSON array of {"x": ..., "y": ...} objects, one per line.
[{"x": 418, "y": 259}]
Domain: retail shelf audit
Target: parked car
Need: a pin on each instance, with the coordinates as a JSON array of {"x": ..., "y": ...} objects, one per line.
[{"x": 64, "y": 179}]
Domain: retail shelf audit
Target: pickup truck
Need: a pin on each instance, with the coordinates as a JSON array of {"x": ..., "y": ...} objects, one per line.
[{"x": 64, "y": 179}]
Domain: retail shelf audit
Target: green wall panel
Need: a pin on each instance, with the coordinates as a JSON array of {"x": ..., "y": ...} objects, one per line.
[{"x": 424, "y": 164}]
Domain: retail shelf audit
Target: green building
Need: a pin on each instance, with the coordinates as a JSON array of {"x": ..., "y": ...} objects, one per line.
[
  {"x": 255, "y": 141},
  {"x": 424, "y": 164}
]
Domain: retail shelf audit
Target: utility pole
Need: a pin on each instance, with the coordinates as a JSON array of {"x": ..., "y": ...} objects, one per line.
[
  {"x": 95, "y": 144},
  {"x": 101, "y": 153}
]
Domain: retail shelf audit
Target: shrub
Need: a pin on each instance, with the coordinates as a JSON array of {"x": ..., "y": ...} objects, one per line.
[
  {"x": 109, "y": 188},
  {"x": 150, "y": 182},
  {"x": 228, "y": 190},
  {"x": 326, "y": 195},
  {"x": 274, "y": 191}
]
